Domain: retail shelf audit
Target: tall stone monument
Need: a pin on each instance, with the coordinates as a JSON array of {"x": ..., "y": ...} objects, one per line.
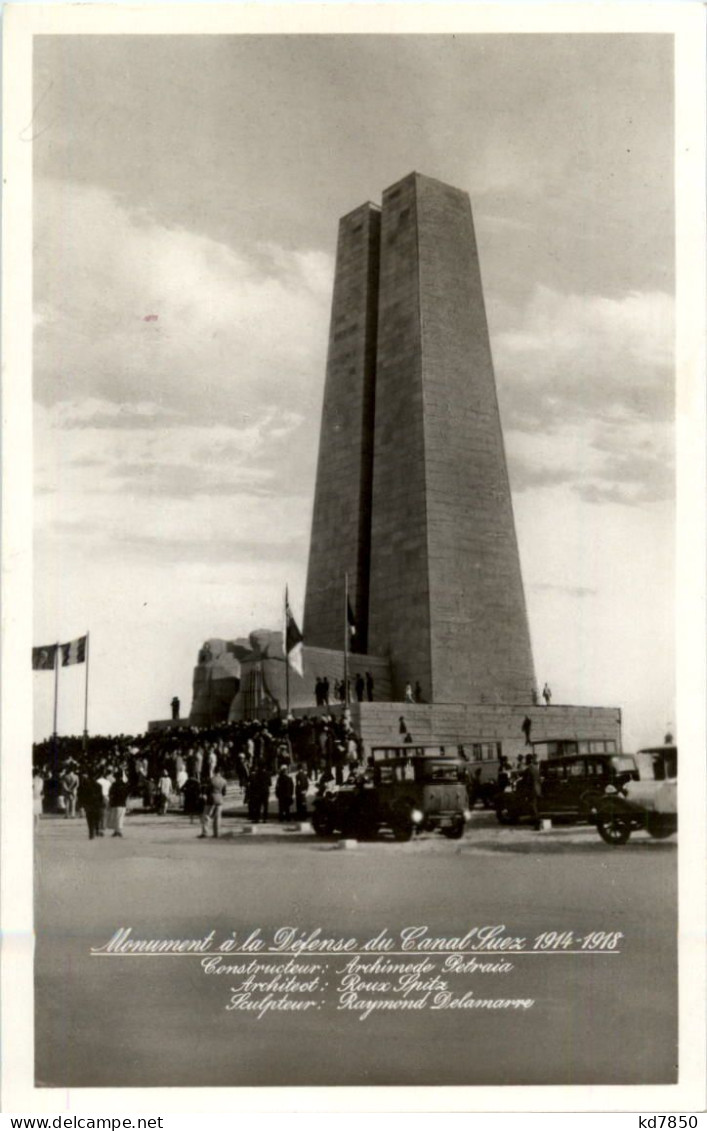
[
  {"x": 413, "y": 504},
  {"x": 412, "y": 495}
]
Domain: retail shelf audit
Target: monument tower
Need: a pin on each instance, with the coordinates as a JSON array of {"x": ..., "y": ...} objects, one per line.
[
  {"x": 413, "y": 505},
  {"x": 412, "y": 497}
]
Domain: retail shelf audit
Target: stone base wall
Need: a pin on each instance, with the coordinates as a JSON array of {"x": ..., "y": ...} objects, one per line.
[
  {"x": 458, "y": 723},
  {"x": 167, "y": 724}
]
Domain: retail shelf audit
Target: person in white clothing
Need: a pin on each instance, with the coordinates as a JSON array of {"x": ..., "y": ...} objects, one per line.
[
  {"x": 105, "y": 781},
  {"x": 37, "y": 795},
  {"x": 164, "y": 793}
]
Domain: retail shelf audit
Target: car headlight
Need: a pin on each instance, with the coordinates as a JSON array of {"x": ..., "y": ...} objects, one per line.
[
  {"x": 416, "y": 816},
  {"x": 467, "y": 814}
]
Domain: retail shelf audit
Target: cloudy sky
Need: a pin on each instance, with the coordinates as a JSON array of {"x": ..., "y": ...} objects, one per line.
[{"x": 187, "y": 195}]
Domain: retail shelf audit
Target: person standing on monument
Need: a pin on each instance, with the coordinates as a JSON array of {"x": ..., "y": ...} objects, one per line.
[
  {"x": 547, "y": 694},
  {"x": 369, "y": 687},
  {"x": 408, "y": 696},
  {"x": 360, "y": 687},
  {"x": 526, "y": 728},
  {"x": 175, "y": 708}
]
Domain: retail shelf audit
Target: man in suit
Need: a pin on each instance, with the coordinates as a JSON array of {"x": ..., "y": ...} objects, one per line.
[
  {"x": 284, "y": 791},
  {"x": 532, "y": 784},
  {"x": 118, "y": 800},
  {"x": 92, "y": 800},
  {"x": 70, "y": 785},
  {"x": 215, "y": 794}
]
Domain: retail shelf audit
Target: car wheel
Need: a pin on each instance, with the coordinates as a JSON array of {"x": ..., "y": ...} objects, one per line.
[
  {"x": 321, "y": 824},
  {"x": 349, "y": 828},
  {"x": 456, "y": 832},
  {"x": 368, "y": 829},
  {"x": 402, "y": 824},
  {"x": 613, "y": 828},
  {"x": 505, "y": 815}
]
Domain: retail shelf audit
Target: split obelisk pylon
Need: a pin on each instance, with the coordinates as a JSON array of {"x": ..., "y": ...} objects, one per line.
[{"x": 412, "y": 495}]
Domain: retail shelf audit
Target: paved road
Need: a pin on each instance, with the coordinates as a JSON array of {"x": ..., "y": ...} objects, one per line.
[{"x": 604, "y": 1018}]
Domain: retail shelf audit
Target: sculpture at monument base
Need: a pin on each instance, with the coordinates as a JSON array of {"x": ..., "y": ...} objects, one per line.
[
  {"x": 242, "y": 678},
  {"x": 263, "y": 684},
  {"x": 216, "y": 680},
  {"x": 246, "y": 678}
]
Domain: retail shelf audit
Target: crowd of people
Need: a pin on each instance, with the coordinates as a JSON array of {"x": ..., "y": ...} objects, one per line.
[
  {"x": 278, "y": 760},
  {"x": 191, "y": 767}
]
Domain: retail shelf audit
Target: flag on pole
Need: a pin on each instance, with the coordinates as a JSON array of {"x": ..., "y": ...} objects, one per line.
[
  {"x": 351, "y": 619},
  {"x": 43, "y": 659},
  {"x": 74, "y": 652},
  {"x": 293, "y": 640}
]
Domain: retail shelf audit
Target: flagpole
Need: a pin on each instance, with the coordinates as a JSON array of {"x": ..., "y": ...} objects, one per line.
[
  {"x": 287, "y": 661},
  {"x": 346, "y": 640},
  {"x": 85, "y": 701},
  {"x": 55, "y": 743},
  {"x": 56, "y": 686}
]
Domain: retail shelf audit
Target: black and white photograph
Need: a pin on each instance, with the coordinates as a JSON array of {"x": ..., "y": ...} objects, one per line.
[{"x": 354, "y": 421}]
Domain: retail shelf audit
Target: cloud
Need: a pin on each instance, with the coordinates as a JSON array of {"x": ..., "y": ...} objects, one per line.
[
  {"x": 73, "y": 436},
  {"x": 177, "y": 383},
  {"x": 571, "y": 357},
  {"x": 162, "y": 321},
  {"x": 630, "y": 464},
  {"x": 104, "y": 414},
  {"x": 234, "y": 551},
  {"x": 525, "y": 475},
  {"x": 568, "y": 590},
  {"x": 586, "y": 392},
  {"x": 195, "y": 485}
]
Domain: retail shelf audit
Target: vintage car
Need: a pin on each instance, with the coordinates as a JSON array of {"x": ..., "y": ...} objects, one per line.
[
  {"x": 649, "y": 803},
  {"x": 572, "y": 788},
  {"x": 406, "y": 790}
]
